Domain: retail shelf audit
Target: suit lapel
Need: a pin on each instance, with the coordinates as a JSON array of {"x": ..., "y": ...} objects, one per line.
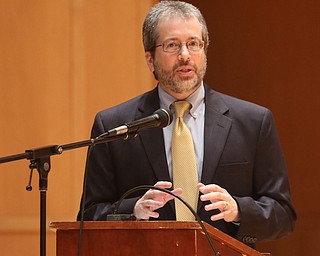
[
  {"x": 216, "y": 130},
  {"x": 153, "y": 143},
  {"x": 152, "y": 139}
]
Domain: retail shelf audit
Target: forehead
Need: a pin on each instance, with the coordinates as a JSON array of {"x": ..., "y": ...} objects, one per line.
[{"x": 179, "y": 28}]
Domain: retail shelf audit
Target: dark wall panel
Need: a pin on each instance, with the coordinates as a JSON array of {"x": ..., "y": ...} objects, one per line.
[{"x": 268, "y": 52}]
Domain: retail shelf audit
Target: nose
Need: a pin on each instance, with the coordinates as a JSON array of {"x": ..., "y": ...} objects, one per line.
[{"x": 184, "y": 53}]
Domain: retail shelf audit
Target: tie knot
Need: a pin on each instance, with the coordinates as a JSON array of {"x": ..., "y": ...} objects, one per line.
[{"x": 180, "y": 107}]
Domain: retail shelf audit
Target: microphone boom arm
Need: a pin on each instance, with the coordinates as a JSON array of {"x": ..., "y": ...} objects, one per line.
[{"x": 40, "y": 158}]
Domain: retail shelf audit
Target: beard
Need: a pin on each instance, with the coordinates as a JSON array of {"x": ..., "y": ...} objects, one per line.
[{"x": 171, "y": 80}]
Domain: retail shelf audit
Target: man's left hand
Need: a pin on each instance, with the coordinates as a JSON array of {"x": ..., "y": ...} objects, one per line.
[{"x": 219, "y": 199}]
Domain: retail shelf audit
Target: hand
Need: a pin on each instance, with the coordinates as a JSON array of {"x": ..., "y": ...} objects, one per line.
[
  {"x": 220, "y": 199},
  {"x": 153, "y": 200}
]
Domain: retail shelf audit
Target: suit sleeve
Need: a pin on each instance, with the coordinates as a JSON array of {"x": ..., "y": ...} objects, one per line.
[{"x": 269, "y": 213}]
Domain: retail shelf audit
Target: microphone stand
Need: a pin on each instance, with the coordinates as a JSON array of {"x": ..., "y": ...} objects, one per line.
[{"x": 40, "y": 160}]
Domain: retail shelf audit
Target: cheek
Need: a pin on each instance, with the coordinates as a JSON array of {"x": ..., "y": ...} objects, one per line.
[
  {"x": 166, "y": 63},
  {"x": 200, "y": 60},
  {"x": 200, "y": 63}
]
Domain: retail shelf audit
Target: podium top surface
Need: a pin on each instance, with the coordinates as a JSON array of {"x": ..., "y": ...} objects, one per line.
[
  {"x": 65, "y": 225},
  {"x": 216, "y": 234}
]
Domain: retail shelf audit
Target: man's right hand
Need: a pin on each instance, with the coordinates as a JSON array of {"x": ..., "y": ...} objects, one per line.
[{"x": 153, "y": 200}]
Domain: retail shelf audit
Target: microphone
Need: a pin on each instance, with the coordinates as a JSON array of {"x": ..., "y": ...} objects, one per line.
[{"x": 160, "y": 118}]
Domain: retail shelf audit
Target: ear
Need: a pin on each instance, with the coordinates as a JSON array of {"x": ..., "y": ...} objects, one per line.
[{"x": 149, "y": 60}]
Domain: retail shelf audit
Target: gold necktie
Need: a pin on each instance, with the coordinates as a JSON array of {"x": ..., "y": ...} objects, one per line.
[{"x": 184, "y": 169}]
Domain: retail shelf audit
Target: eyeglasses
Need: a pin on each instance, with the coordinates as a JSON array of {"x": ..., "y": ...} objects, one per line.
[{"x": 173, "y": 46}]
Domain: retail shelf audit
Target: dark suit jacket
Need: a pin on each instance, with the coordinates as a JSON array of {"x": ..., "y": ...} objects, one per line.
[{"x": 241, "y": 154}]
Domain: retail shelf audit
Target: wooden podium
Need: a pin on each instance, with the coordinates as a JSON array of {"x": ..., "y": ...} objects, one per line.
[{"x": 149, "y": 238}]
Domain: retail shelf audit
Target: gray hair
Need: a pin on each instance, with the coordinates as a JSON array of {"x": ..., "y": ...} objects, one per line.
[{"x": 184, "y": 10}]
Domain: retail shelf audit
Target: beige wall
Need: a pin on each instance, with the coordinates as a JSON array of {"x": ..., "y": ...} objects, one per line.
[{"x": 60, "y": 62}]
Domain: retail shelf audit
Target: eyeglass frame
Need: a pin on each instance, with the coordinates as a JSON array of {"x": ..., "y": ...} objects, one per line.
[{"x": 201, "y": 45}]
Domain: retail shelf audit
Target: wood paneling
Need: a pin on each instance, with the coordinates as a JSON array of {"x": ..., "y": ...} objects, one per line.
[{"x": 61, "y": 62}]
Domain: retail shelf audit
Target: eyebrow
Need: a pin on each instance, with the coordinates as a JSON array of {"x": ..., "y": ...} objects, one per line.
[{"x": 175, "y": 38}]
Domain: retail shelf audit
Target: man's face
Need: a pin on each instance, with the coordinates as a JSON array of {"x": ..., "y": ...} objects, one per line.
[{"x": 179, "y": 73}]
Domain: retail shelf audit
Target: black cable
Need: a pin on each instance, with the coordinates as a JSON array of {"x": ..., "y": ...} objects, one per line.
[
  {"x": 83, "y": 200},
  {"x": 144, "y": 187}
]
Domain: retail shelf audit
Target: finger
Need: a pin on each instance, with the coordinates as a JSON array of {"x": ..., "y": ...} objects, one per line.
[
  {"x": 214, "y": 197},
  {"x": 177, "y": 191},
  {"x": 211, "y": 188},
  {"x": 155, "y": 194},
  {"x": 154, "y": 215},
  {"x": 218, "y": 216},
  {"x": 145, "y": 213},
  {"x": 152, "y": 204},
  {"x": 167, "y": 197},
  {"x": 221, "y": 205},
  {"x": 163, "y": 184},
  {"x": 200, "y": 185},
  {"x": 227, "y": 211}
]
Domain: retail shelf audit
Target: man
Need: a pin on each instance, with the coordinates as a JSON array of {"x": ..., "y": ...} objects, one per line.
[{"x": 242, "y": 178}]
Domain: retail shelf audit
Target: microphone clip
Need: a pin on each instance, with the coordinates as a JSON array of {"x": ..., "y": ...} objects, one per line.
[{"x": 121, "y": 217}]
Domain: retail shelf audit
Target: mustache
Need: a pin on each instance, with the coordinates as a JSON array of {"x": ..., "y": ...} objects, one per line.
[{"x": 184, "y": 63}]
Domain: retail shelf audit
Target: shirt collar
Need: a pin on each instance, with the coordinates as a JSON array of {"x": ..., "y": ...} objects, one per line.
[{"x": 195, "y": 99}]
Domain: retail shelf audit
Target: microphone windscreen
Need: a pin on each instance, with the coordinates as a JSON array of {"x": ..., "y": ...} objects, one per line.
[{"x": 165, "y": 117}]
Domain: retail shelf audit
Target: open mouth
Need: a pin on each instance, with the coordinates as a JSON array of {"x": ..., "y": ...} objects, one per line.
[{"x": 185, "y": 70}]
